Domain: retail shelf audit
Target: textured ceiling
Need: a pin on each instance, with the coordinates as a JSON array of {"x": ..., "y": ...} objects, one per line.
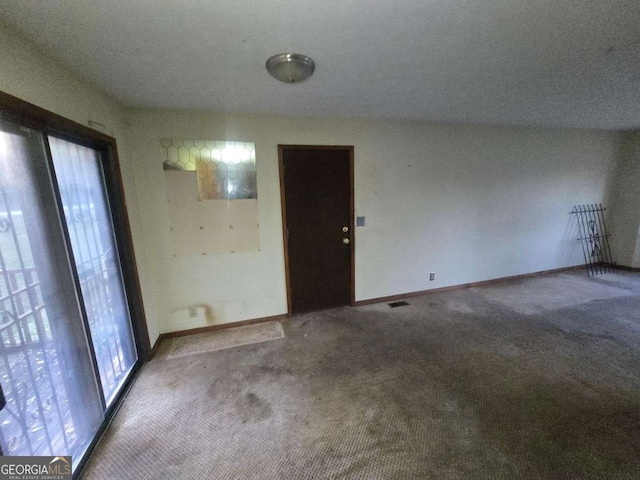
[{"x": 570, "y": 63}]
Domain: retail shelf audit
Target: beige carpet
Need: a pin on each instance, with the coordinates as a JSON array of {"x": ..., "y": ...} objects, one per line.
[{"x": 535, "y": 379}]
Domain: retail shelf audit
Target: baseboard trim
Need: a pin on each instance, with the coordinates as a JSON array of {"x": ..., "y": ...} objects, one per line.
[
  {"x": 221, "y": 326},
  {"x": 628, "y": 269},
  {"x": 401, "y": 296},
  {"x": 371, "y": 301}
]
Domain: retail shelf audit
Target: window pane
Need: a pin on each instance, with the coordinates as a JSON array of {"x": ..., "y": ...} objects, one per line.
[{"x": 88, "y": 220}]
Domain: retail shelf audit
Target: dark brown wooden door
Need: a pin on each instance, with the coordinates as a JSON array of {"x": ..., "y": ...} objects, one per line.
[{"x": 318, "y": 207}]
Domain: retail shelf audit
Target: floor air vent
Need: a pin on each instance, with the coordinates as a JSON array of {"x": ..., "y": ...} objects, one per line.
[{"x": 397, "y": 304}]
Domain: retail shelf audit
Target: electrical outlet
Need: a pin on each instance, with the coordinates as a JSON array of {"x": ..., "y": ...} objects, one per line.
[
  {"x": 193, "y": 312},
  {"x": 432, "y": 276}
]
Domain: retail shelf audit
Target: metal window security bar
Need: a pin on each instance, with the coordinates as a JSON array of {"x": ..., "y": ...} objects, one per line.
[{"x": 594, "y": 238}]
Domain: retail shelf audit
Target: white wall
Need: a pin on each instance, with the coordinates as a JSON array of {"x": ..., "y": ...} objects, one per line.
[
  {"x": 29, "y": 74},
  {"x": 626, "y": 203},
  {"x": 467, "y": 202}
]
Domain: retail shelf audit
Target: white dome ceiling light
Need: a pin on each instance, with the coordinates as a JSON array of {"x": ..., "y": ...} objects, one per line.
[{"x": 290, "y": 67}]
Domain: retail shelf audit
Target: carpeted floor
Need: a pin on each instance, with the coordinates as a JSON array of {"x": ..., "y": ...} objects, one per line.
[{"x": 533, "y": 379}]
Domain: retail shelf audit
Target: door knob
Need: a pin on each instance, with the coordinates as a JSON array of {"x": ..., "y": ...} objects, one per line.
[
  {"x": 345, "y": 229},
  {"x": 345, "y": 240}
]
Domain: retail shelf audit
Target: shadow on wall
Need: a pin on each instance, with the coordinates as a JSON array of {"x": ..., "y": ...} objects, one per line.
[
  {"x": 570, "y": 245},
  {"x": 207, "y": 312}
]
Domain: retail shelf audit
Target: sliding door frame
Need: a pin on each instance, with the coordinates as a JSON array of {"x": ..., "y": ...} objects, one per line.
[
  {"x": 23, "y": 113},
  {"x": 48, "y": 123}
]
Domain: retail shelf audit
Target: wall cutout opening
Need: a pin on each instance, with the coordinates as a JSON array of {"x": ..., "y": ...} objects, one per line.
[{"x": 212, "y": 194}]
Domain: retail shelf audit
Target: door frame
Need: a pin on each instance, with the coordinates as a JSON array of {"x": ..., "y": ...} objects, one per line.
[{"x": 283, "y": 208}]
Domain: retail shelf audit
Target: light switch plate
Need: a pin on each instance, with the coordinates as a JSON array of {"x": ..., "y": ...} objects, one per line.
[{"x": 359, "y": 221}]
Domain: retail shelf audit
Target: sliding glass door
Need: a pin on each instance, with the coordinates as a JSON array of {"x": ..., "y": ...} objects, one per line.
[
  {"x": 66, "y": 340},
  {"x": 86, "y": 212}
]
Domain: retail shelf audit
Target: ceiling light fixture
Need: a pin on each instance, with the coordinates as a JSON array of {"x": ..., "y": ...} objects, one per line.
[{"x": 290, "y": 67}]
